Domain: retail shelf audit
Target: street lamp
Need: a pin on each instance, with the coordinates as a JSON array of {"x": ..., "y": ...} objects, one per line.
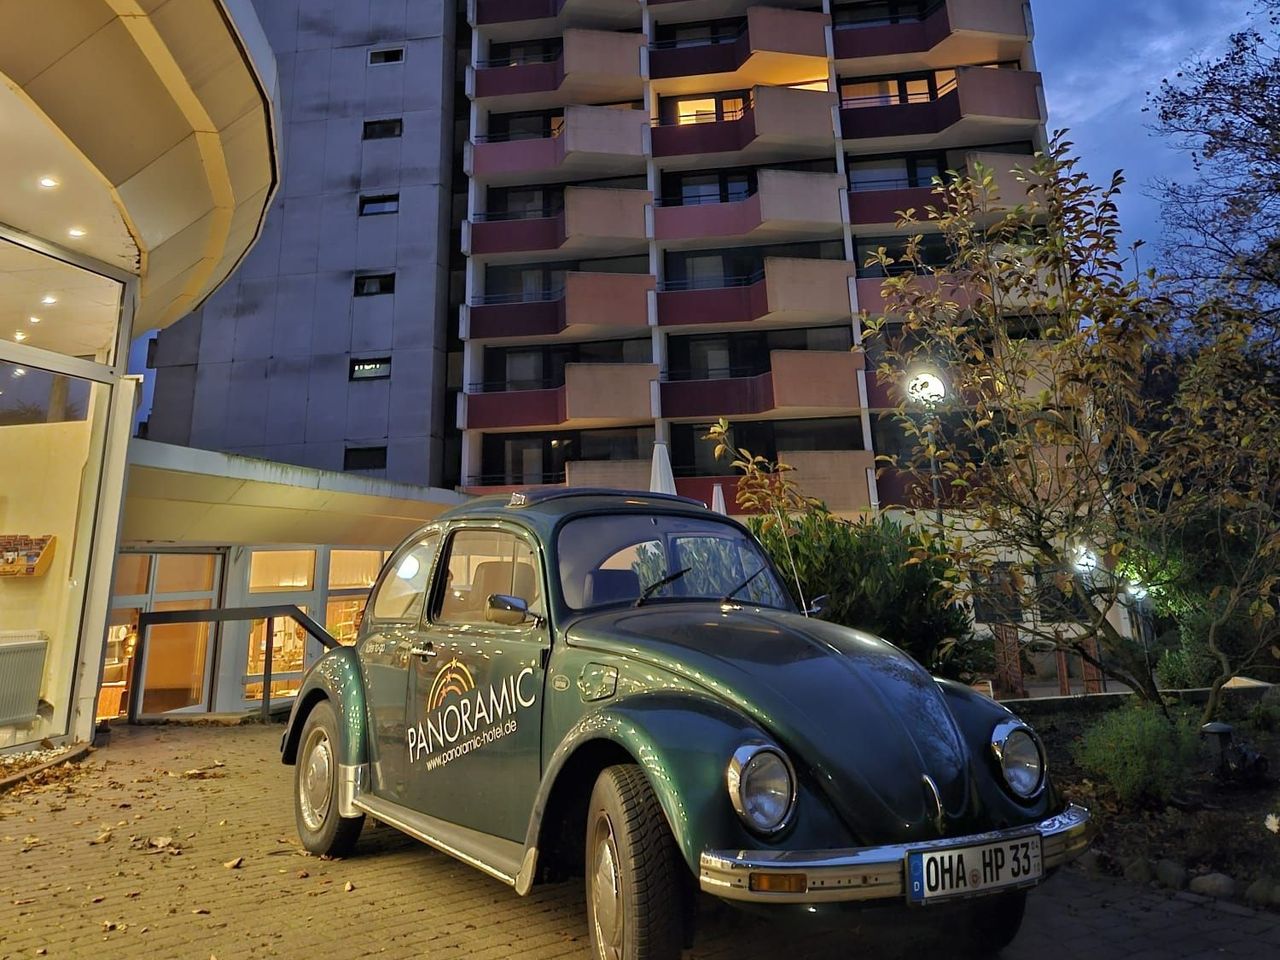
[{"x": 926, "y": 389}]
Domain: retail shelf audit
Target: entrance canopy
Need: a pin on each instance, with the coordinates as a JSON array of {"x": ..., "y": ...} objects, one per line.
[{"x": 177, "y": 495}]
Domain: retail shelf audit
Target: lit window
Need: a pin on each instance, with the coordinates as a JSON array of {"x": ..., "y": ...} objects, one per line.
[
  {"x": 353, "y": 569},
  {"x": 697, "y": 111},
  {"x": 373, "y": 206},
  {"x": 390, "y": 55},
  {"x": 280, "y": 571},
  {"x": 371, "y": 368},
  {"x": 812, "y": 85},
  {"x": 375, "y": 284},
  {"x": 383, "y": 129}
]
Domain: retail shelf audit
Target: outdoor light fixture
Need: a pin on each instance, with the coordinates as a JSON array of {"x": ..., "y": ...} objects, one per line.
[
  {"x": 926, "y": 388},
  {"x": 48, "y": 183},
  {"x": 1086, "y": 561}
]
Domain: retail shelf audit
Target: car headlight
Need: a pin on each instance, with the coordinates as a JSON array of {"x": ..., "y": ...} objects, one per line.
[
  {"x": 1021, "y": 760},
  {"x": 762, "y": 787}
]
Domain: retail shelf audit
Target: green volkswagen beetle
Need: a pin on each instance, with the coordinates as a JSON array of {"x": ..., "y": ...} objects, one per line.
[{"x": 618, "y": 685}]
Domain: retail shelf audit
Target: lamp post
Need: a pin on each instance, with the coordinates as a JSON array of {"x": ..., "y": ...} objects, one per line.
[{"x": 927, "y": 390}]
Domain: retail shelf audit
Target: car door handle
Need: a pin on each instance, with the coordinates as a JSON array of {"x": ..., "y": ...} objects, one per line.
[{"x": 428, "y": 651}]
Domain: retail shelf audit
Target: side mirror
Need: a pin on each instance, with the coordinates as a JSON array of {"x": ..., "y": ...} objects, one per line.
[
  {"x": 818, "y": 607},
  {"x": 508, "y": 611}
]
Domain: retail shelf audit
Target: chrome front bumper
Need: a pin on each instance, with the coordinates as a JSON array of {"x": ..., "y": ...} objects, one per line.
[{"x": 871, "y": 873}]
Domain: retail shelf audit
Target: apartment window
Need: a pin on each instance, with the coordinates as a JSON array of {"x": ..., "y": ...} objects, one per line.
[
  {"x": 892, "y": 91},
  {"x": 383, "y": 129},
  {"x": 516, "y": 458},
  {"x": 381, "y": 204},
  {"x": 375, "y": 284},
  {"x": 692, "y": 456},
  {"x": 722, "y": 355},
  {"x": 739, "y": 266},
  {"x": 519, "y": 52},
  {"x": 694, "y": 189},
  {"x": 385, "y": 56},
  {"x": 933, "y": 252},
  {"x": 881, "y": 12},
  {"x": 895, "y": 173},
  {"x": 543, "y": 367},
  {"x": 281, "y": 571},
  {"x": 364, "y": 458},
  {"x": 523, "y": 203},
  {"x": 699, "y": 34},
  {"x": 708, "y": 108},
  {"x": 370, "y": 368},
  {"x": 526, "y": 125}
]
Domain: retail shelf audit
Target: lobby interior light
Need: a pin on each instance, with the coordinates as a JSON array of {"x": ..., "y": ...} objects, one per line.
[
  {"x": 49, "y": 183},
  {"x": 19, "y": 372},
  {"x": 33, "y": 319},
  {"x": 76, "y": 232},
  {"x": 48, "y": 299},
  {"x": 19, "y": 336}
]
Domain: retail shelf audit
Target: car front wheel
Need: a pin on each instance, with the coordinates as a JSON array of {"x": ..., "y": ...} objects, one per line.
[
  {"x": 315, "y": 795},
  {"x": 633, "y": 870}
]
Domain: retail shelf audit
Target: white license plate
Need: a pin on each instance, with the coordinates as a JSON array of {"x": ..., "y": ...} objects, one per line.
[{"x": 961, "y": 871}]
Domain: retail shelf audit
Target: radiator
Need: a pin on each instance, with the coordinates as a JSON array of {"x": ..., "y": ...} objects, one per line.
[{"x": 22, "y": 654}]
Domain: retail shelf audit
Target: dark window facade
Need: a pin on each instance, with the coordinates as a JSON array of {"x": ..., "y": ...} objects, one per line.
[
  {"x": 541, "y": 367},
  {"x": 387, "y": 56},
  {"x": 383, "y": 129},
  {"x": 525, "y": 125},
  {"x": 737, "y": 266},
  {"x": 879, "y": 13},
  {"x": 364, "y": 458},
  {"x": 523, "y": 203},
  {"x": 895, "y": 172},
  {"x": 691, "y": 456},
  {"x": 698, "y": 34},
  {"x": 518, "y": 458},
  {"x": 375, "y": 284},
  {"x": 723, "y": 355},
  {"x": 515, "y": 53}
]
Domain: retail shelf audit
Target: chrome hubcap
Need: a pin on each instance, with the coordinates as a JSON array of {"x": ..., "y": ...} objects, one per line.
[
  {"x": 315, "y": 779},
  {"x": 606, "y": 891}
]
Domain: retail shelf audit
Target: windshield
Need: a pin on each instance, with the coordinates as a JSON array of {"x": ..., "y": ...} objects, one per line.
[{"x": 617, "y": 558}]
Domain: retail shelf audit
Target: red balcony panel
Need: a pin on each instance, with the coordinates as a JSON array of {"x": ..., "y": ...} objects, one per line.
[
  {"x": 721, "y": 305},
  {"x": 518, "y": 156},
  {"x": 892, "y": 39},
  {"x": 507, "y": 11},
  {"x": 732, "y": 397},
  {"x": 525, "y": 78},
  {"x": 543, "y": 318},
  {"x": 724, "y": 136},
  {"x": 882, "y": 206},
  {"x": 515, "y": 408},
  {"x": 510, "y": 236},
  {"x": 707, "y": 219},
  {"x": 703, "y": 488},
  {"x": 900, "y": 119},
  {"x": 695, "y": 61}
]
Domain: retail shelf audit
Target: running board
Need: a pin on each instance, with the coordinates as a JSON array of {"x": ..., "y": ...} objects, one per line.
[{"x": 501, "y": 859}]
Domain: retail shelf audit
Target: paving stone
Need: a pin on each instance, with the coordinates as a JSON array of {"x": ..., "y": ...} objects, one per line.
[{"x": 409, "y": 901}]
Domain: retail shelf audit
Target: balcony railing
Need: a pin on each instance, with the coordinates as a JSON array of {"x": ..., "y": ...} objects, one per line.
[
  {"x": 711, "y": 283},
  {"x": 894, "y": 100},
  {"x": 681, "y": 44},
  {"x": 549, "y": 56},
  {"x": 853, "y": 17},
  {"x": 547, "y": 295},
  {"x": 501, "y": 216},
  {"x": 699, "y": 200},
  {"x": 512, "y": 136}
]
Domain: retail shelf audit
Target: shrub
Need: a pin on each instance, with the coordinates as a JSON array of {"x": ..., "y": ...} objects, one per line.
[
  {"x": 863, "y": 567},
  {"x": 1139, "y": 753}
]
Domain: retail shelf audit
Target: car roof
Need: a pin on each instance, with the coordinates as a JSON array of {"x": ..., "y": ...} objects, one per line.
[{"x": 545, "y": 507}]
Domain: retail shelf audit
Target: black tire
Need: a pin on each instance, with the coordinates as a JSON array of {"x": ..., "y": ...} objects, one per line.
[
  {"x": 315, "y": 787},
  {"x": 634, "y": 872},
  {"x": 991, "y": 924}
]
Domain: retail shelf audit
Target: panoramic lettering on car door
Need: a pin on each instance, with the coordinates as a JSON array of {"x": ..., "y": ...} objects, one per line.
[{"x": 462, "y": 716}]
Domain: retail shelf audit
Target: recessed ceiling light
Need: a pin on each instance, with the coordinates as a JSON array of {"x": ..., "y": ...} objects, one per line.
[
  {"x": 19, "y": 372},
  {"x": 48, "y": 299},
  {"x": 19, "y": 336},
  {"x": 34, "y": 319},
  {"x": 49, "y": 183},
  {"x": 76, "y": 232}
]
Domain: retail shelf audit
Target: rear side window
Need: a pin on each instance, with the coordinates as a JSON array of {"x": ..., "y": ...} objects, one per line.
[{"x": 402, "y": 593}]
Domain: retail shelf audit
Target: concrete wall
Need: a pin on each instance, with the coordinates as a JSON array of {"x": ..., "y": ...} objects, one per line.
[{"x": 262, "y": 369}]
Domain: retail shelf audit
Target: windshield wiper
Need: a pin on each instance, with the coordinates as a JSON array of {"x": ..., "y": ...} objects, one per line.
[
  {"x": 730, "y": 595},
  {"x": 658, "y": 584}
]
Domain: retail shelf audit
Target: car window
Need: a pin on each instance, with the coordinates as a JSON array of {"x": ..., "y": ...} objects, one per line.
[
  {"x": 401, "y": 594},
  {"x": 482, "y": 563},
  {"x": 614, "y": 558}
]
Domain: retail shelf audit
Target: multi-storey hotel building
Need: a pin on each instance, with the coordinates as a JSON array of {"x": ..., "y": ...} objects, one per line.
[{"x": 669, "y": 213}]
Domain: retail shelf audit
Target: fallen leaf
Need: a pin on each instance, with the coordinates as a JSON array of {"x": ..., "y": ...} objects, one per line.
[
  {"x": 302, "y": 874},
  {"x": 103, "y": 837},
  {"x": 234, "y": 864},
  {"x": 98, "y": 899},
  {"x": 199, "y": 910},
  {"x": 349, "y": 886}
]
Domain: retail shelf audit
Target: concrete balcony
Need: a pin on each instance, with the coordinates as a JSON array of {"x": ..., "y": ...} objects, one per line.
[
  {"x": 612, "y": 474},
  {"x": 776, "y": 47},
  {"x": 836, "y": 477},
  {"x": 593, "y": 66},
  {"x": 984, "y": 106},
  {"x": 780, "y": 123},
  {"x": 799, "y": 383},
  {"x": 517, "y": 19},
  {"x": 791, "y": 291},
  {"x": 787, "y": 205},
  {"x": 591, "y": 304},
  {"x": 593, "y": 395},
  {"x": 958, "y": 31},
  {"x": 1010, "y": 191},
  {"x": 596, "y": 220},
  {"x": 871, "y": 293},
  {"x": 592, "y": 142}
]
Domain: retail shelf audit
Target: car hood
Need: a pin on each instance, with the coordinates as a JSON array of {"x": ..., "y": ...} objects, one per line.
[{"x": 865, "y": 721}]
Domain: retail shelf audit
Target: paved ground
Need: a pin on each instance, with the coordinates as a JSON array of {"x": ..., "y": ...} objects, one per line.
[{"x": 128, "y": 859}]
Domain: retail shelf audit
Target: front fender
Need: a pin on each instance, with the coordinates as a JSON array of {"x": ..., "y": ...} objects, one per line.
[
  {"x": 683, "y": 741},
  {"x": 334, "y": 677}
]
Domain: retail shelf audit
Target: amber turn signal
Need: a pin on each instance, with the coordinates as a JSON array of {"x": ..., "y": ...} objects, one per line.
[{"x": 779, "y": 882}]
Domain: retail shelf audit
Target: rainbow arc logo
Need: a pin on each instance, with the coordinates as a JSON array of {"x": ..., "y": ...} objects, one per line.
[{"x": 453, "y": 678}]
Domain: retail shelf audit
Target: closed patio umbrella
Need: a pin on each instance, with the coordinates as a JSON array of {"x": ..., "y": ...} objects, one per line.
[{"x": 661, "y": 479}]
